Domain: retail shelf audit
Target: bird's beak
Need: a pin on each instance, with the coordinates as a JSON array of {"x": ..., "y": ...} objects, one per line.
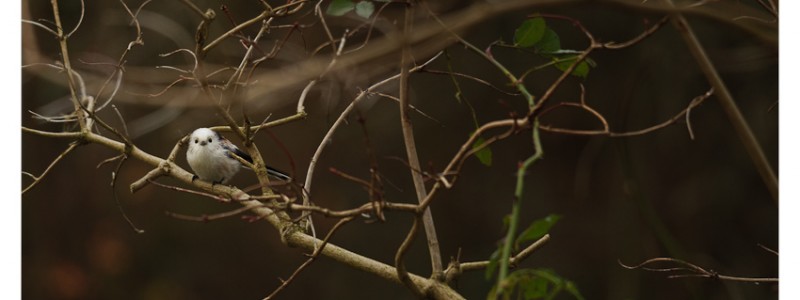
[{"x": 203, "y": 143}]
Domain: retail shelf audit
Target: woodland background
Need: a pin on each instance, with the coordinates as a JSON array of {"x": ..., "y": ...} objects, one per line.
[{"x": 622, "y": 199}]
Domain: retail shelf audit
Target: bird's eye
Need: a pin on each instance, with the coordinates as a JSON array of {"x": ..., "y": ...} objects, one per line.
[
  {"x": 196, "y": 141},
  {"x": 209, "y": 140}
]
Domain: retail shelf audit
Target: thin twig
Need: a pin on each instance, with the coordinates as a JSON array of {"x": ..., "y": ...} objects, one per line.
[
  {"x": 463, "y": 152},
  {"x": 208, "y": 218},
  {"x": 728, "y": 103},
  {"x": 473, "y": 78},
  {"x": 341, "y": 119},
  {"x": 692, "y": 270},
  {"x": 121, "y": 120},
  {"x": 349, "y": 177},
  {"x": 399, "y": 260},
  {"x": 337, "y": 54},
  {"x": 193, "y": 7},
  {"x": 311, "y": 258},
  {"x": 237, "y": 74},
  {"x": 249, "y": 22},
  {"x": 179, "y": 189},
  {"x": 395, "y": 99},
  {"x": 114, "y": 176},
  {"x": 455, "y": 269},
  {"x": 365, "y": 208},
  {"x": 40, "y": 25},
  {"x": 80, "y": 20},
  {"x": 768, "y": 249},
  {"x": 606, "y": 132},
  {"x": 321, "y": 15},
  {"x": 62, "y": 41},
  {"x": 648, "y": 32},
  {"x": 36, "y": 179}
]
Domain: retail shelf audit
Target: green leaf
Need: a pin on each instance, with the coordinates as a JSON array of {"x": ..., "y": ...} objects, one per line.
[
  {"x": 365, "y": 9},
  {"x": 534, "y": 288},
  {"x": 493, "y": 260},
  {"x": 550, "y": 43},
  {"x": 340, "y": 7},
  {"x": 534, "y": 284},
  {"x": 530, "y": 32},
  {"x": 506, "y": 221},
  {"x": 485, "y": 154},
  {"x": 582, "y": 70},
  {"x": 571, "y": 288},
  {"x": 538, "y": 229},
  {"x": 549, "y": 275}
]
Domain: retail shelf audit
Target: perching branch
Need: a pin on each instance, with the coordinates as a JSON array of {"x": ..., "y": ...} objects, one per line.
[
  {"x": 277, "y": 219},
  {"x": 281, "y": 210}
]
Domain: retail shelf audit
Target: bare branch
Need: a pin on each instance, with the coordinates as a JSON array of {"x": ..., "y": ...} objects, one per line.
[
  {"x": 691, "y": 270},
  {"x": 456, "y": 268},
  {"x": 327, "y": 139},
  {"x": 728, "y": 104},
  {"x": 193, "y": 7},
  {"x": 40, "y": 25},
  {"x": 80, "y": 20},
  {"x": 278, "y": 11},
  {"x": 116, "y": 199},
  {"x": 311, "y": 258},
  {"x": 694, "y": 103},
  {"x": 36, "y": 179},
  {"x": 399, "y": 260},
  {"x": 67, "y": 65},
  {"x": 413, "y": 161},
  {"x": 208, "y": 218}
]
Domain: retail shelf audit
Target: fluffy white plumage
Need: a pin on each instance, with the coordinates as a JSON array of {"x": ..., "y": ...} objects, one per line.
[{"x": 211, "y": 157}]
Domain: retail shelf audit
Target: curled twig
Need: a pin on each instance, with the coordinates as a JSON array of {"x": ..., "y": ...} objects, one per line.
[
  {"x": 684, "y": 113},
  {"x": 114, "y": 176},
  {"x": 687, "y": 269},
  {"x": 399, "y": 259}
]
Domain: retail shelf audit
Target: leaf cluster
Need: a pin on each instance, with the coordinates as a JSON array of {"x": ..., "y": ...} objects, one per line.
[{"x": 534, "y": 34}]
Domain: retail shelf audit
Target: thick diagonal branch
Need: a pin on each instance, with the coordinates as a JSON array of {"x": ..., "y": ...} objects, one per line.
[
  {"x": 728, "y": 104},
  {"x": 432, "y": 288},
  {"x": 411, "y": 151}
]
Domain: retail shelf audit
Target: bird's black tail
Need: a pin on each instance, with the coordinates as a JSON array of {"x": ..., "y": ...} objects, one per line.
[{"x": 278, "y": 174}]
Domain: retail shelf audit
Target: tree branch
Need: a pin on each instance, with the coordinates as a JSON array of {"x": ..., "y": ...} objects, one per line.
[
  {"x": 728, "y": 104},
  {"x": 411, "y": 151}
]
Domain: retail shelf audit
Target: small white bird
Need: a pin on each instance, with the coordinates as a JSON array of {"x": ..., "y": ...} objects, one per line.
[{"x": 211, "y": 157}]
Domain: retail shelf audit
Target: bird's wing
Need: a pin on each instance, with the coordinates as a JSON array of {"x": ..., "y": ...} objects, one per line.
[
  {"x": 227, "y": 145},
  {"x": 240, "y": 153}
]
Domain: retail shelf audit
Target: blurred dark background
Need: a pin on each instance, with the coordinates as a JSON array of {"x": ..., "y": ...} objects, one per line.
[{"x": 622, "y": 199}]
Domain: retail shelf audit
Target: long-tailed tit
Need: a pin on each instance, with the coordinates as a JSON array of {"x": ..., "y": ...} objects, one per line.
[{"x": 211, "y": 157}]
